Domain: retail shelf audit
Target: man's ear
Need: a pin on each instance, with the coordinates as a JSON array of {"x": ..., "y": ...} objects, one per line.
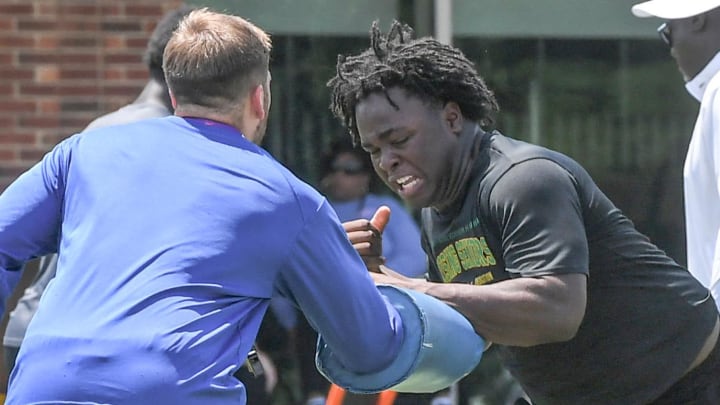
[
  {"x": 698, "y": 22},
  {"x": 257, "y": 102},
  {"x": 173, "y": 102},
  {"x": 453, "y": 116}
]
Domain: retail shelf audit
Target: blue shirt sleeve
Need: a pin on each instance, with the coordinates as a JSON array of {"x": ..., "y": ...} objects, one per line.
[
  {"x": 328, "y": 281},
  {"x": 30, "y": 214}
]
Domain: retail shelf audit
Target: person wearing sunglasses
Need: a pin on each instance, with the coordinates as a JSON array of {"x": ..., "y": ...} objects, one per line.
[{"x": 692, "y": 32}]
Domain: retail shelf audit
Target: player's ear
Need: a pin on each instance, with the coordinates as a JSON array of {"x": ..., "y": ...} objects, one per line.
[
  {"x": 452, "y": 114},
  {"x": 173, "y": 102},
  {"x": 257, "y": 102},
  {"x": 698, "y": 22}
]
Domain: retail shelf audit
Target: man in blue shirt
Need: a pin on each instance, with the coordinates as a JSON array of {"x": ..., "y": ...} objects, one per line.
[{"x": 172, "y": 235}]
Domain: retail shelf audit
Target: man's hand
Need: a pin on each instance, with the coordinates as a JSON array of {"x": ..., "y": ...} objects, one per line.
[
  {"x": 366, "y": 237},
  {"x": 386, "y": 275}
]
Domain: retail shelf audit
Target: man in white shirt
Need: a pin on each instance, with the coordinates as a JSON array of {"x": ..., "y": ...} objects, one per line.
[{"x": 692, "y": 31}]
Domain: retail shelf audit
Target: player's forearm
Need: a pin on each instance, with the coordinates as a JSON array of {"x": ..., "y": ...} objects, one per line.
[{"x": 519, "y": 312}]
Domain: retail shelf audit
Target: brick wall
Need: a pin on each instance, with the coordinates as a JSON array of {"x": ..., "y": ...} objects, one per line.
[{"x": 62, "y": 63}]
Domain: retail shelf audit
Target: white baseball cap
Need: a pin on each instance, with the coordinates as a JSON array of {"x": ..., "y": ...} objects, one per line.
[{"x": 673, "y": 9}]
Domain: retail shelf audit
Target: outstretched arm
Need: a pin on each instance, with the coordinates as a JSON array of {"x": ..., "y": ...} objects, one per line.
[
  {"x": 30, "y": 214},
  {"x": 518, "y": 312},
  {"x": 328, "y": 281}
]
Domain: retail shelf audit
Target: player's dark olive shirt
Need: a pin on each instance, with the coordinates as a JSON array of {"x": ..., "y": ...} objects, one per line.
[{"x": 532, "y": 212}]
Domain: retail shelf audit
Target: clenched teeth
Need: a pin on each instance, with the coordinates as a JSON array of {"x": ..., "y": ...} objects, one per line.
[{"x": 406, "y": 181}]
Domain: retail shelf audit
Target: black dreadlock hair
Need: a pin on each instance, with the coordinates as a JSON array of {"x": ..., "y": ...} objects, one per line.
[{"x": 428, "y": 69}]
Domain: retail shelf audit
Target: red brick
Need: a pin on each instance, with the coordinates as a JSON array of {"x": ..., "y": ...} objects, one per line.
[
  {"x": 17, "y": 138},
  {"x": 6, "y": 89},
  {"x": 37, "y": 25},
  {"x": 39, "y": 122},
  {"x": 120, "y": 26},
  {"x": 50, "y": 140},
  {"x": 31, "y": 89},
  {"x": 75, "y": 124},
  {"x": 16, "y": 41},
  {"x": 139, "y": 74},
  {"x": 74, "y": 25},
  {"x": 49, "y": 41},
  {"x": 118, "y": 58},
  {"x": 90, "y": 73},
  {"x": 34, "y": 58},
  {"x": 16, "y": 9},
  {"x": 79, "y": 9},
  {"x": 79, "y": 42},
  {"x": 47, "y": 74},
  {"x": 137, "y": 43},
  {"x": 46, "y": 8},
  {"x": 112, "y": 9},
  {"x": 15, "y": 106},
  {"x": 67, "y": 106},
  {"x": 144, "y": 10},
  {"x": 112, "y": 42},
  {"x": 53, "y": 41},
  {"x": 12, "y": 73},
  {"x": 48, "y": 106},
  {"x": 31, "y": 155},
  {"x": 7, "y": 121},
  {"x": 7, "y": 154}
]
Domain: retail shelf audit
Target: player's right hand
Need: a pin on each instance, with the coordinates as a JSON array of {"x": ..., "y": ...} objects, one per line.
[{"x": 366, "y": 237}]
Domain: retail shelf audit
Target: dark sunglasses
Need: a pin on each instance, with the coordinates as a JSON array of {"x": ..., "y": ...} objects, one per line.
[
  {"x": 664, "y": 32},
  {"x": 348, "y": 169}
]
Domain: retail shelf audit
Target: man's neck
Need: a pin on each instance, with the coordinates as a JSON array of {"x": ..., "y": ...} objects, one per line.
[
  {"x": 155, "y": 92},
  {"x": 698, "y": 84}
]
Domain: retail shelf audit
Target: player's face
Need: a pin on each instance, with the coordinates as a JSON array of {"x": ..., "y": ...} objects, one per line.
[{"x": 411, "y": 146}]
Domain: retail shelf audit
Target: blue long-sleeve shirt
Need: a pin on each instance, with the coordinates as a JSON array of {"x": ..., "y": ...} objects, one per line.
[{"x": 173, "y": 234}]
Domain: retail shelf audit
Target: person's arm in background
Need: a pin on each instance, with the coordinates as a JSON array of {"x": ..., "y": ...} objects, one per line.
[
  {"x": 401, "y": 242},
  {"x": 328, "y": 281},
  {"x": 30, "y": 215}
]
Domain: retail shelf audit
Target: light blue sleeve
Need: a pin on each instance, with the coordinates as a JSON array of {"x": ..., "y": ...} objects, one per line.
[
  {"x": 328, "y": 281},
  {"x": 401, "y": 242},
  {"x": 30, "y": 215}
]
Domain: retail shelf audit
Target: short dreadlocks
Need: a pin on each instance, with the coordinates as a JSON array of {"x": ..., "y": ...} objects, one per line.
[{"x": 426, "y": 68}]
